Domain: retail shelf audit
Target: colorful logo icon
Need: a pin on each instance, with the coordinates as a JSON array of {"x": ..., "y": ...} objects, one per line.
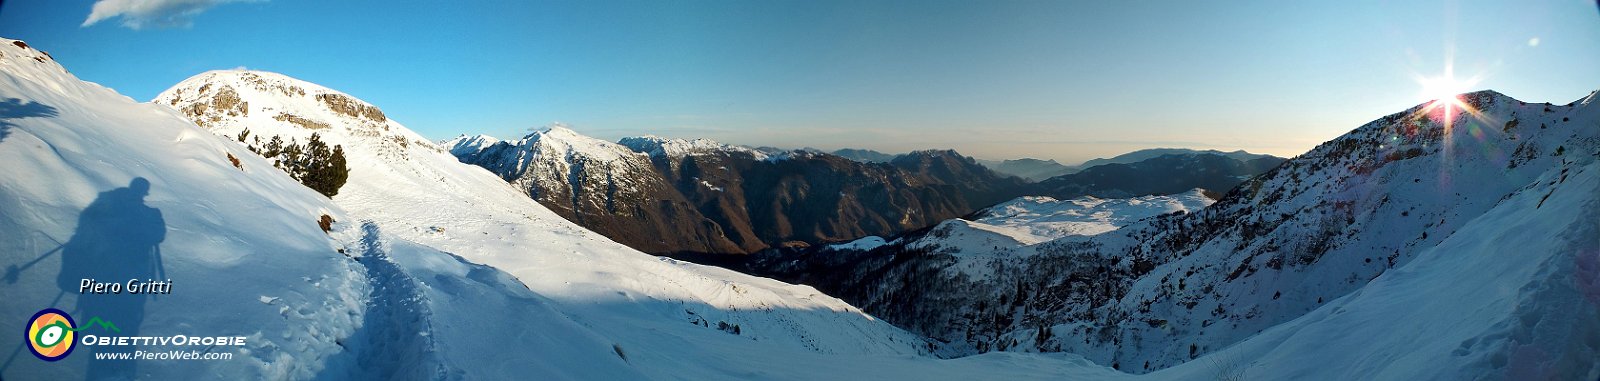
[{"x": 50, "y": 334}]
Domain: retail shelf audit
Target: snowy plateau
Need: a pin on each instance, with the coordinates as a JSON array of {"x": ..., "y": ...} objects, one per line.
[{"x": 436, "y": 269}]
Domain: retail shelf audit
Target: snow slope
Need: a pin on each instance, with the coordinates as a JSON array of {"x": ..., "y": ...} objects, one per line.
[
  {"x": 79, "y": 159},
  {"x": 1514, "y": 294},
  {"x": 1325, "y": 223}
]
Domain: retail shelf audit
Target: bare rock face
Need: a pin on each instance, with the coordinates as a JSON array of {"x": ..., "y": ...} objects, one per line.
[
  {"x": 350, "y": 107},
  {"x": 223, "y": 102},
  {"x": 300, "y": 121}
]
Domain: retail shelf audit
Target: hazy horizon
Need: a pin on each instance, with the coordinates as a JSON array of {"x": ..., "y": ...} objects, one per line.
[{"x": 1001, "y": 80}]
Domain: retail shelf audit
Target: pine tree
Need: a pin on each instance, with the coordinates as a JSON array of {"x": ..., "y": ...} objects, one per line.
[
  {"x": 273, "y": 148},
  {"x": 313, "y": 164},
  {"x": 340, "y": 172}
]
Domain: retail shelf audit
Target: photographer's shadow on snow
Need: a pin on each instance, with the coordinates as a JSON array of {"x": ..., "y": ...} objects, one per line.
[
  {"x": 13, "y": 108},
  {"x": 118, "y": 239}
]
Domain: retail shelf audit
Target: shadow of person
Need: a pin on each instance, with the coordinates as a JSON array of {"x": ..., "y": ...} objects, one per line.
[
  {"x": 13, "y": 108},
  {"x": 118, "y": 239}
]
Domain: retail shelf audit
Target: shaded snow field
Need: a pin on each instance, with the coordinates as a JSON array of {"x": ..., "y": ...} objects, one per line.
[
  {"x": 1030, "y": 220},
  {"x": 1035, "y": 219}
]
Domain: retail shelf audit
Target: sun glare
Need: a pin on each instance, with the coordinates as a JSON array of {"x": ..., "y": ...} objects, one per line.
[
  {"x": 1443, "y": 87},
  {"x": 1442, "y": 95}
]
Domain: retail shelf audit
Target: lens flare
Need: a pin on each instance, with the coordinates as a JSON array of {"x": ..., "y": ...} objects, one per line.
[
  {"x": 1442, "y": 88},
  {"x": 1443, "y": 95}
]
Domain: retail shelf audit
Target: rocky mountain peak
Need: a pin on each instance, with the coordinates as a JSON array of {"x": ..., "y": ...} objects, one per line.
[{"x": 228, "y": 102}]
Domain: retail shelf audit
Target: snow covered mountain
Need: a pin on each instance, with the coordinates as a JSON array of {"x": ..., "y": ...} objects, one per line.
[
  {"x": 467, "y": 144},
  {"x": 1172, "y": 288},
  {"x": 679, "y": 148},
  {"x": 603, "y": 186},
  {"x": 690, "y": 197},
  {"x": 221, "y": 101}
]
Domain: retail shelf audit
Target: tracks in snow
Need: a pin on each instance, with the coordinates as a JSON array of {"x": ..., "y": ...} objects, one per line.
[{"x": 395, "y": 340}]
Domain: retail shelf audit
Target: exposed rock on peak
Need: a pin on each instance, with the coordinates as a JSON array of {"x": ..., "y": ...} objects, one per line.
[{"x": 270, "y": 104}]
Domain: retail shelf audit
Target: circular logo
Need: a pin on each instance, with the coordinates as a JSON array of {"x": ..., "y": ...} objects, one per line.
[{"x": 50, "y": 334}]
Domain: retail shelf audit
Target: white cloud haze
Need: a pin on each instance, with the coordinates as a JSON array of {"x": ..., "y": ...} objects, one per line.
[{"x": 139, "y": 14}]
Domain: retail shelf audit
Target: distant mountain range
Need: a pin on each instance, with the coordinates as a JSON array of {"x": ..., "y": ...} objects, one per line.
[
  {"x": 689, "y": 197},
  {"x": 864, "y": 155},
  {"x": 1030, "y": 169},
  {"x": 674, "y": 196},
  {"x": 1163, "y": 174},
  {"x": 1146, "y": 154},
  {"x": 1039, "y": 170}
]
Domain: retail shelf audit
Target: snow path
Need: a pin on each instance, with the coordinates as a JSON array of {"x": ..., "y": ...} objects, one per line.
[{"x": 394, "y": 341}]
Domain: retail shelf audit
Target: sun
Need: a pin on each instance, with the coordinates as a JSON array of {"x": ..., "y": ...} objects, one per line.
[
  {"x": 1444, "y": 86},
  {"x": 1442, "y": 96},
  {"x": 1441, "y": 88}
]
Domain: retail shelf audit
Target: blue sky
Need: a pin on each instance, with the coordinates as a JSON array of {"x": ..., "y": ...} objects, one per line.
[{"x": 994, "y": 79}]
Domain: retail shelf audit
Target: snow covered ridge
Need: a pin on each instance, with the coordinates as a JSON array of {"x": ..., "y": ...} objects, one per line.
[
  {"x": 613, "y": 189},
  {"x": 465, "y": 144},
  {"x": 678, "y": 148},
  {"x": 556, "y": 139}
]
